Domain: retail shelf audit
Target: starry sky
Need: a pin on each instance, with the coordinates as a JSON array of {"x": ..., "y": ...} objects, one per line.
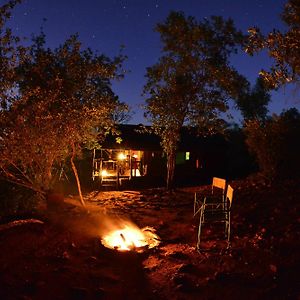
[{"x": 106, "y": 25}]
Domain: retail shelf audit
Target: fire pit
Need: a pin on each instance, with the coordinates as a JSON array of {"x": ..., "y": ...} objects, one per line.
[{"x": 131, "y": 238}]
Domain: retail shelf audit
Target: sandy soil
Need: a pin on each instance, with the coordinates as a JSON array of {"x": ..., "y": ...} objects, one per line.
[{"x": 63, "y": 258}]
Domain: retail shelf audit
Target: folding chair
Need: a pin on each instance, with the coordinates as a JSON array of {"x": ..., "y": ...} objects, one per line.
[
  {"x": 217, "y": 195},
  {"x": 210, "y": 213}
]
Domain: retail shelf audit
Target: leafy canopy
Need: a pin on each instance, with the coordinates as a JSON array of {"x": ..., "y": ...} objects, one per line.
[
  {"x": 275, "y": 144},
  {"x": 10, "y": 53},
  {"x": 64, "y": 99},
  {"x": 253, "y": 103},
  {"x": 283, "y": 47},
  {"x": 192, "y": 81}
]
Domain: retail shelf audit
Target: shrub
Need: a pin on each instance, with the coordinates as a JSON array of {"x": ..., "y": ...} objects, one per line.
[{"x": 275, "y": 144}]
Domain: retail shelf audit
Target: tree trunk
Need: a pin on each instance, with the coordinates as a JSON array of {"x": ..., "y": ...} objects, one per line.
[
  {"x": 76, "y": 174},
  {"x": 171, "y": 169}
]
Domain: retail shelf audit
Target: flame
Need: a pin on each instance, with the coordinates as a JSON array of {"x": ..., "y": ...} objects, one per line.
[{"x": 130, "y": 237}]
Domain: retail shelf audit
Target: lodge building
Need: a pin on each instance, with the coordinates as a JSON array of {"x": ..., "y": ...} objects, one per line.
[{"x": 137, "y": 155}]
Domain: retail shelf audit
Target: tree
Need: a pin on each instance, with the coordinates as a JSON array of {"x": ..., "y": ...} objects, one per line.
[
  {"x": 64, "y": 101},
  {"x": 192, "y": 81},
  {"x": 283, "y": 47},
  {"x": 275, "y": 144},
  {"x": 10, "y": 53},
  {"x": 253, "y": 103}
]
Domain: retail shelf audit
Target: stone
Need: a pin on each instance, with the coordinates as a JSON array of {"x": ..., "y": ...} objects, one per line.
[{"x": 78, "y": 293}]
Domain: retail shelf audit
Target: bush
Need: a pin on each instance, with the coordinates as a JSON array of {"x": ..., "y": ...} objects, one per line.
[
  {"x": 16, "y": 201},
  {"x": 275, "y": 144}
]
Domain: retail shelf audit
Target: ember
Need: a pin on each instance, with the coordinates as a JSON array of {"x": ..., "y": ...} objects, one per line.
[{"x": 130, "y": 237}]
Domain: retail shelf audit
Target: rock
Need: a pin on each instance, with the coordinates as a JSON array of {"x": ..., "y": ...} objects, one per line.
[
  {"x": 78, "y": 293},
  {"x": 183, "y": 283},
  {"x": 25, "y": 298},
  {"x": 91, "y": 260},
  {"x": 273, "y": 268},
  {"x": 29, "y": 287},
  {"x": 99, "y": 293},
  {"x": 187, "y": 268},
  {"x": 110, "y": 278},
  {"x": 179, "y": 279},
  {"x": 178, "y": 255},
  {"x": 66, "y": 255}
]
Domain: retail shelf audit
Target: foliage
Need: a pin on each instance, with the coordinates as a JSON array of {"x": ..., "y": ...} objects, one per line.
[
  {"x": 283, "y": 47},
  {"x": 240, "y": 163},
  {"x": 10, "y": 53},
  {"x": 275, "y": 144},
  {"x": 16, "y": 201},
  {"x": 192, "y": 81},
  {"x": 253, "y": 103},
  {"x": 64, "y": 100}
]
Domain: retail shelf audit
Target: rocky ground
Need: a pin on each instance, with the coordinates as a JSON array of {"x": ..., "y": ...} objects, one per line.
[{"x": 62, "y": 257}]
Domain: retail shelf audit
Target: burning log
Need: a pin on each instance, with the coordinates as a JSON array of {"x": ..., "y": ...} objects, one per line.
[
  {"x": 131, "y": 238},
  {"x": 123, "y": 238}
]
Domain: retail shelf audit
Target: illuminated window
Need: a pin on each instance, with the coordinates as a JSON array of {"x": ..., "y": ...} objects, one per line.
[{"x": 187, "y": 155}]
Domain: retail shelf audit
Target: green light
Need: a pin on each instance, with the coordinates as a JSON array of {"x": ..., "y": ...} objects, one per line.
[{"x": 187, "y": 155}]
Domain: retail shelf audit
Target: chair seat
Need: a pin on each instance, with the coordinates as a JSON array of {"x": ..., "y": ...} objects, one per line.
[
  {"x": 214, "y": 198},
  {"x": 214, "y": 209},
  {"x": 216, "y": 216},
  {"x": 213, "y": 202}
]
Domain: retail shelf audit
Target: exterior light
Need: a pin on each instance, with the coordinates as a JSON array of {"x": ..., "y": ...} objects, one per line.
[
  {"x": 121, "y": 156},
  {"x": 104, "y": 173}
]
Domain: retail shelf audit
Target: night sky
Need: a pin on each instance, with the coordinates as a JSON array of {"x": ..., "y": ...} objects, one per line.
[{"x": 105, "y": 25}]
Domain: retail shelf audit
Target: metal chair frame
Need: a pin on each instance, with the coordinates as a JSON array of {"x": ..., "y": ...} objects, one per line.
[
  {"x": 218, "y": 184},
  {"x": 216, "y": 213}
]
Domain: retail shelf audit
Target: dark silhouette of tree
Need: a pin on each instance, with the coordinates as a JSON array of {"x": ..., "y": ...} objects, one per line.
[
  {"x": 283, "y": 47},
  {"x": 275, "y": 144},
  {"x": 192, "y": 81},
  {"x": 253, "y": 104},
  {"x": 10, "y": 53},
  {"x": 63, "y": 101}
]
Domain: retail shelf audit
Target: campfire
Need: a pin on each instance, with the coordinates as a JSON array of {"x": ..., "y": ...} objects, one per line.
[{"x": 130, "y": 238}]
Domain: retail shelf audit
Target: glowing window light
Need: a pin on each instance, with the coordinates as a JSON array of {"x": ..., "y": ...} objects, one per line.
[{"x": 187, "y": 155}]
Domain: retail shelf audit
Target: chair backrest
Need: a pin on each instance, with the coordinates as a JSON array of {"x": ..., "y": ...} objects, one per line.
[
  {"x": 229, "y": 195},
  {"x": 218, "y": 183}
]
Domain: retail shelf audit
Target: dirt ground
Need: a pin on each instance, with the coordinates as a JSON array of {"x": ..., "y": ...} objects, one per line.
[{"x": 62, "y": 257}]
